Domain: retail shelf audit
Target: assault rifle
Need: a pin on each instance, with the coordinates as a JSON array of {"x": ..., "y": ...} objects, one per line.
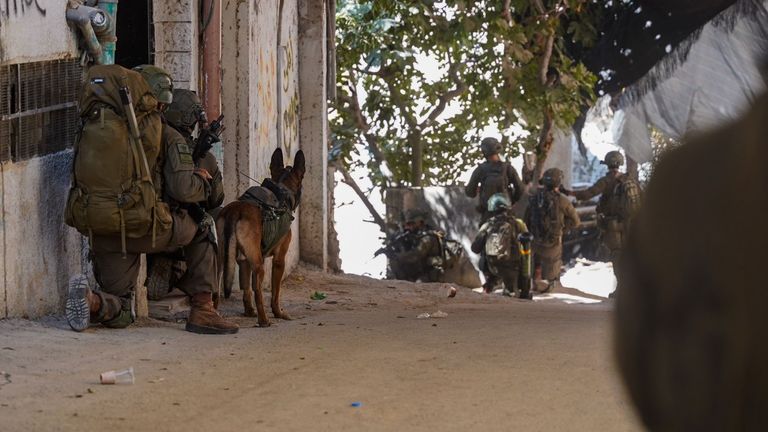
[
  {"x": 397, "y": 243},
  {"x": 208, "y": 136}
]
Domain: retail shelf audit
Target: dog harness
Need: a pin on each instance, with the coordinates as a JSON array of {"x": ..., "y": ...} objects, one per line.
[{"x": 276, "y": 213}]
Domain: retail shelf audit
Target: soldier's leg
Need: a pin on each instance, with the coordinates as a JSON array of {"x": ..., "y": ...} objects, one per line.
[
  {"x": 117, "y": 277},
  {"x": 552, "y": 264},
  {"x": 200, "y": 280}
]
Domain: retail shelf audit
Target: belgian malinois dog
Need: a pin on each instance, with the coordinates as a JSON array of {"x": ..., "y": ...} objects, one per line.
[{"x": 241, "y": 229}]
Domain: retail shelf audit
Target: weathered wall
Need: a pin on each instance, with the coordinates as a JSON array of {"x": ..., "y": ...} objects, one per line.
[
  {"x": 314, "y": 130},
  {"x": 41, "y": 252},
  {"x": 176, "y": 40},
  {"x": 34, "y": 30},
  {"x": 260, "y": 99},
  {"x": 37, "y": 251}
]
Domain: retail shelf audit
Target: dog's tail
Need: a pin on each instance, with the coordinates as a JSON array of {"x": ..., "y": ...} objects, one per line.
[{"x": 229, "y": 259}]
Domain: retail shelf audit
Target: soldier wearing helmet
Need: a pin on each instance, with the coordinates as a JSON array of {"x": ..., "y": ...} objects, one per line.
[
  {"x": 416, "y": 252},
  {"x": 492, "y": 176},
  {"x": 549, "y": 215},
  {"x": 498, "y": 245},
  {"x": 116, "y": 260},
  {"x": 184, "y": 115},
  {"x": 619, "y": 198}
]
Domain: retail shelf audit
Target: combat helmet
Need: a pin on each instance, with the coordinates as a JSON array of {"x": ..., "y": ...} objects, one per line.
[
  {"x": 159, "y": 81},
  {"x": 490, "y": 146},
  {"x": 613, "y": 159},
  {"x": 185, "y": 110},
  {"x": 499, "y": 201},
  {"x": 552, "y": 178}
]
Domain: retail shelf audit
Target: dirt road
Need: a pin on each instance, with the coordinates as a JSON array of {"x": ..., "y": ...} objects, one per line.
[{"x": 493, "y": 364}]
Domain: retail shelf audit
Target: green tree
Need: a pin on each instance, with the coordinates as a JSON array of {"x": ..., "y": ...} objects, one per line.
[{"x": 501, "y": 62}]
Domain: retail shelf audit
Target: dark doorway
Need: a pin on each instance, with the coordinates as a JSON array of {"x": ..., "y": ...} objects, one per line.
[{"x": 135, "y": 38}]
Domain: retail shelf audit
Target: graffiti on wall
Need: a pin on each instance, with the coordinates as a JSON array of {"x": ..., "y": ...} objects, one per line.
[
  {"x": 289, "y": 91},
  {"x": 19, "y": 8},
  {"x": 266, "y": 95}
]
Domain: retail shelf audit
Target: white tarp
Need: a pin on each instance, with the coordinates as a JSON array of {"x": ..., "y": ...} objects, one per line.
[{"x": 717, "y": 83}]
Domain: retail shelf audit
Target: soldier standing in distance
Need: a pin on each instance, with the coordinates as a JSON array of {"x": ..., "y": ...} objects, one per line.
[
  {"x": 619, "y": 199},
  {"x": 491, "y": 177},
  {"x": 549, "y": 215}
]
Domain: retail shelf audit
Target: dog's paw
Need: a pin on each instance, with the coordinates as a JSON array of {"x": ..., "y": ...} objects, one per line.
[
  {"x": 283, "y": 316},
  {"x": 265, "y": 323}
]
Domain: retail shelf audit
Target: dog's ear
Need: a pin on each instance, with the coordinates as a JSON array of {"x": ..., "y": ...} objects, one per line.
[
  {"x": 298, "y": 164},
  {"x": 276, "y": 165}
]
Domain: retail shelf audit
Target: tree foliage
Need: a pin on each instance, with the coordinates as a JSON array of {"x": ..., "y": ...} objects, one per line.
[{"x": 499, "y": 63}]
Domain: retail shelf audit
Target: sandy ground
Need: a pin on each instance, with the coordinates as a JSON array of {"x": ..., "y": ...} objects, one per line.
[{"x": 493, "y": 364}]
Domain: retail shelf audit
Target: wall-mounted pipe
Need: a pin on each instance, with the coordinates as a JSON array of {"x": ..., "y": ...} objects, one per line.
[
  {"x": 98, "y": 26},
  {"x": 87, "y": 19}
]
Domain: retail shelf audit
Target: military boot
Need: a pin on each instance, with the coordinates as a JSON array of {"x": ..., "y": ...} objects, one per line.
[
  {"x": 204, "y": 319},
  {"x": 81, "y": 303}
]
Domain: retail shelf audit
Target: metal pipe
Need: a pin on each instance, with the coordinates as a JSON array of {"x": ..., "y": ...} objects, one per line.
[
  {"x": 108, "y": 36},
  {"x": 211, "y": 53},
  {"x": 84, "y": 18}
]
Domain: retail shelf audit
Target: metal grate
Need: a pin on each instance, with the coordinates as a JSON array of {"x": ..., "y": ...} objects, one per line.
[{"x": 38, "y": 108}]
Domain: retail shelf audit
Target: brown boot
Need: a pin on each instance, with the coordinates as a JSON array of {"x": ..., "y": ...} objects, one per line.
[{"x": 204, "y": 319}]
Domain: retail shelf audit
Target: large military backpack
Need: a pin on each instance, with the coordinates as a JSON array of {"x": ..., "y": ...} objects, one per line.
[
  {"x": 623, "y": 200},
  {"x": 113, "y": 191},
  {"x": 495, "y": 181},
  {"x": 501, "y": 242},
  {"x": 543, "y": 221}
]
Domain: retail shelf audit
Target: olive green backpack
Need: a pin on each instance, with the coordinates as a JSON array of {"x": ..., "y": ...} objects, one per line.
[{"x": 113, "y": 191}]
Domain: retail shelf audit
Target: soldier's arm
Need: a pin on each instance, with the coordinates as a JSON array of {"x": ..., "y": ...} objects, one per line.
[
  {"x": 571, "y": 219},
  {"x": 514, "y": 180},
  {"x": 216, "y": 197},
  {"x": 592, "y": 191},
  {"x": 471, "y": 189},
  {"x": 479, "y": 241},
  {"x": 181, "y": 182}
]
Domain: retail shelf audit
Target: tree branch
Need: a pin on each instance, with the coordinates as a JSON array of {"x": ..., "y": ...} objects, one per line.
[
  {"x": 349, "y": 181},
  {"x": 445, "y": 98},
  {"x": 362, "y": 123}
]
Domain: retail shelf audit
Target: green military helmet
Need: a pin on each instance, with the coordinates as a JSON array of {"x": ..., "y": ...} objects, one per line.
[
  {"x": 185, "y": 110},
  {"x": 499, "y": 201},
  {"x": 553, "y": 178},
  {"x": 490, "y": 146},
  {"x": 159, "y": 81},
  {"x": 415, "y": 215},
  {"x": 613, "y": 159}
]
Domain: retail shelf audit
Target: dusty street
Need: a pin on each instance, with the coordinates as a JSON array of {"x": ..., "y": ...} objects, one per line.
[{"x": 493, "y": 364}]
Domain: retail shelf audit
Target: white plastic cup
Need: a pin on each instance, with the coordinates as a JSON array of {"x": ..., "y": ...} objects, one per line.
[{"x": 118, "y": 377}]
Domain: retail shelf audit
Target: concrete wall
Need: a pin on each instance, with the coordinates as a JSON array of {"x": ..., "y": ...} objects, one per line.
[
  {"x": 313, "y": 65},
  {"x": 37, "y": 251},
  {"x": 261, "y": 95},
  {"x": 176, "y": 40},
  {"x": 34, "y": 31}
]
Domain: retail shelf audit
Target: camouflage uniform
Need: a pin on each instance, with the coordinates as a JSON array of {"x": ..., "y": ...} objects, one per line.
[
  {"x": 417, "y": 254},
  {"x": 493, "y": 167},
  {"x": 548, "y": 254},
  {"x": 118, "y": 275},
  {"x": 165, "y": 270},
  {"x": 508, "y": 270},
  {"x": 476, "y": 184},
  {"x": 691, "y": 322},
  {"x": 613, "y": 227}
]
